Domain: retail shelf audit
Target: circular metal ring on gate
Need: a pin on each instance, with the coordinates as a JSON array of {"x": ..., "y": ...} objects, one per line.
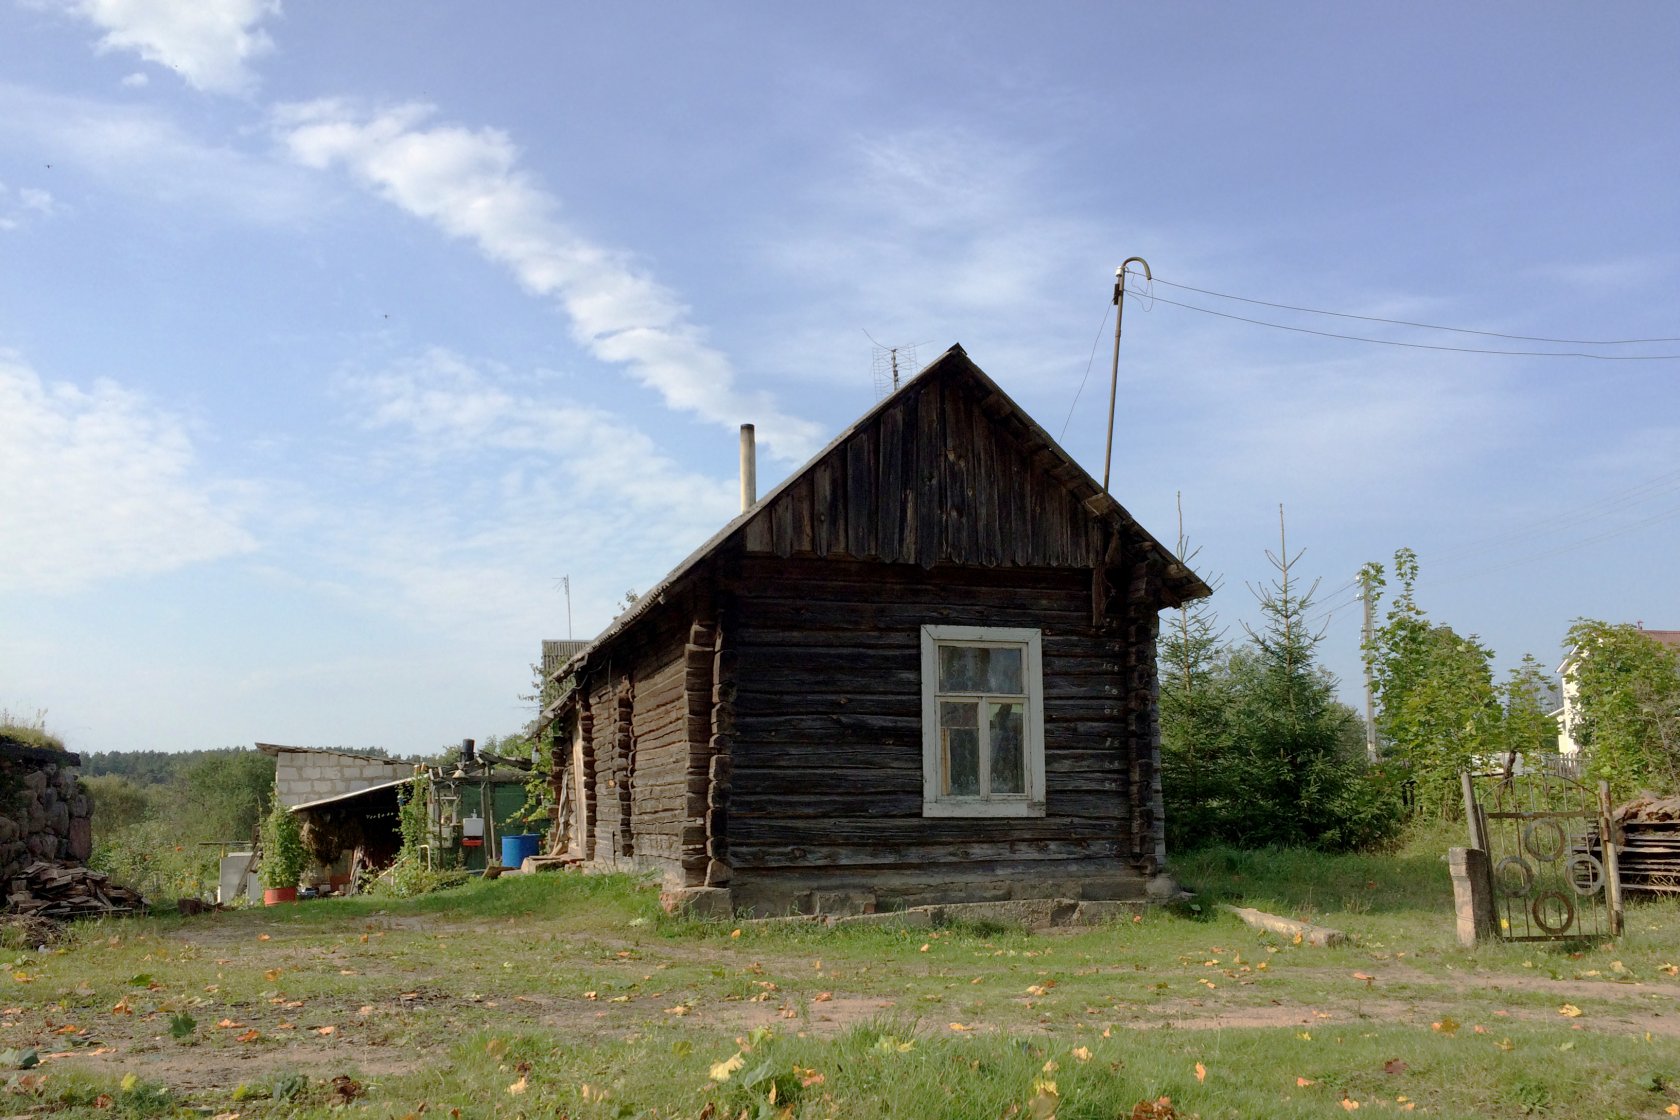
[
  {"x": 1514, "y": 876},
  {"x": 1586, "y": 874},
  {"x": 1544, "y": 839},
  {"x": 1538, "y": 911}
]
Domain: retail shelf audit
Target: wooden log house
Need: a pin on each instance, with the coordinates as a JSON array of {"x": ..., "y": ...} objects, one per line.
[{"x": 920, "y": 670}]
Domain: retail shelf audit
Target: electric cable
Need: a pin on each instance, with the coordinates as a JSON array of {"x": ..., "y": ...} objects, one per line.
[{"x": 1423, "y": 326}]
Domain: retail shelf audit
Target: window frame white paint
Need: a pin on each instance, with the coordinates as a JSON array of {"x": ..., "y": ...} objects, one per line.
[{"x": 1031, "y": 642}]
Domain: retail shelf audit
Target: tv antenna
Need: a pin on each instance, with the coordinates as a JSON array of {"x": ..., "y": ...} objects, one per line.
[{"x": 890, "y": 365}]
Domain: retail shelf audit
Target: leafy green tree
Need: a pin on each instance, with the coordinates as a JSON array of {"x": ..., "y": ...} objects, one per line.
[
  {"x": 1527, "y": 726},
  {"x": 1437, "y": 711},
  {"x": 118, "y": 804},
  {"x": 1626, "y": 699}
]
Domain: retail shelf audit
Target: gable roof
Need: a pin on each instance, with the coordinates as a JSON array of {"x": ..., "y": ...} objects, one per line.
[{"x": 758, "y": 526}]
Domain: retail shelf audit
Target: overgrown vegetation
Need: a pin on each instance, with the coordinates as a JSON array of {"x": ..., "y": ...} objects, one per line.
[
  {"x": 414, "y": 872},
  {"x": 283, "y": 853},
  {"x": 29, "y": 731},
  {"x": 1256, "y": 750},
  {"x": 1627, "y": 692}
]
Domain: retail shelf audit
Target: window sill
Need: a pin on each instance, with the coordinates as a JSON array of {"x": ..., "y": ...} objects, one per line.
[{"x": 982, "y": 809}]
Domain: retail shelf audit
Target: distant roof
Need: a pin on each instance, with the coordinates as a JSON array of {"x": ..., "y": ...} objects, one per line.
[
  {"x": 1666, "y": 637},
  {"x": 351, "y": 795},
  {"x": 275, "y": 750}
]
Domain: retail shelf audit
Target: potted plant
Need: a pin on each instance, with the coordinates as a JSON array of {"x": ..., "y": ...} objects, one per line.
[{"x": 283, "y": 856}]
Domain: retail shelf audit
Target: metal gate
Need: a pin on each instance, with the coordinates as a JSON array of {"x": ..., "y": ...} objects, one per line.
[{"x": 1554, "y": 875}]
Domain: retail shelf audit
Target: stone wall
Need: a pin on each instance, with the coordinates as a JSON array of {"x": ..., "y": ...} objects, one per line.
[
  {"x": 45, "y": 812},
  {"x": 304, "y": 776}
]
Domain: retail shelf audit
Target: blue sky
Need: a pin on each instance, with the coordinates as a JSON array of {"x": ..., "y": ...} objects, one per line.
[{"x": 333, "y": 336}]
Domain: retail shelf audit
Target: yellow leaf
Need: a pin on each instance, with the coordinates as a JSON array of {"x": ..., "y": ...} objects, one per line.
[
  {"x": 1569, "y": 1011},
  {"x": 679, "y": 1010},
  {"x": 364, "y": 1011},
  {"x": 721, "y": 1071},
  {"x": 1447, "y": 1026},
  {"x": 272, "y": 975},
  {"x": 23, "y": 978},
  {"x": 960, "y": 1027},
  {"x": 924, "y": 948},
  {"x": 1201, "y": 1072},
  {"x": 734, "y": 933},
  {"x": 264, "y": 937},
  {"x": 1349, "y": 1103},
  {"x": 1051, "y": 1066},
  {"x": 822, "y": 997},
  {"x": 1037, "y": 990},
  {"x": 1108, "y": 1032},
  {"x": 1304, "y": 1036},
  {"x": 590, "y": 995},
  {"x": 1296, "y": 940},
  {"x": 1673, "y": 1110},
  {"x": 326, "y": 1030},
  {"x": 519, "y": 1086},
  {"x": 1506, "y": 1044},
  {"x": 1080, "y": 1053},
  {"x": 129, "y": 1081}
]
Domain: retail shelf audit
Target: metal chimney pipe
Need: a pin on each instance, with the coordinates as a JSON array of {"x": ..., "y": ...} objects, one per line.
[
  {"x": 466, "y": 750},
  {"x": 749, "y": 469}
]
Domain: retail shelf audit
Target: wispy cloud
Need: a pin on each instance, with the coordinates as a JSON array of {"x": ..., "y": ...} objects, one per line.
[
  {"x": 136, "y": 150},
  {"x": 504, "y": 486},
  {"x": 469, "y": 184},
  {"x": 210, "y": 43},
  {"x": 20, "y": 205},
  {"x": 100, "y": 483}
]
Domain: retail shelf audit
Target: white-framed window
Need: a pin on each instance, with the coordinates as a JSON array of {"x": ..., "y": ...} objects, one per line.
[{"x": 982, "y": 722}]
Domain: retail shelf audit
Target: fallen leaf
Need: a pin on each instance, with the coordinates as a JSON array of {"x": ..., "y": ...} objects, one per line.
[
  {"x": 1670, "y": 970},
  {"x": 960, "y": 1027},
  {"x": 519, "y": 1086},
  {"x": 249, "y": 1036},
  {"x": 1673, "y": 1110},
  {"x": 1201, "y": 1072},
  {"x": 1506, "y": 1044},
  {"x": 328, "y": 1029},
  {"x": 924, "y": 948},
  {"x": 1303, "y": 1082},
  {"x": 364, "y": 1011},
  {"x": 1394, "y": 1066},
  {"x": 229, "y": 1024},
  {"x": 734, "y": 933},
  {"x": 721, "y": 1071},
  {"x": 1447, "y": 1026},
  {"x": 121, "y": 1007},
  {"x": 263, "y": 937},
  {"x": 1570, "y": 1011},
  {"x": 1365, "y": 976},
  {"x": 272, "y": 975},
  {"x": 679, "y": 1010},
  {"x": 822, "y": 997},
  {"x": 591, "y": 995},
  {"x": 1348, "y": 1102},
  {"x": 1080, "y": 1053}
]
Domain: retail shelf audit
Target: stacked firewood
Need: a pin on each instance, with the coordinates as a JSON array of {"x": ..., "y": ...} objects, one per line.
[
  {"x": 1649, "y": 854},
  {"x": 69, "y": 890}
]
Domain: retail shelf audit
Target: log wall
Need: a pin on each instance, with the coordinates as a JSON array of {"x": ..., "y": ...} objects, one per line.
[{"x": 826, "y": 741}]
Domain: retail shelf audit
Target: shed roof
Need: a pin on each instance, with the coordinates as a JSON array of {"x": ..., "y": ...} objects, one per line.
[
  {"x": 275, "y": 750},
  {"x": 350, "y": 795},
  {"x": 1182, "y": 584}
]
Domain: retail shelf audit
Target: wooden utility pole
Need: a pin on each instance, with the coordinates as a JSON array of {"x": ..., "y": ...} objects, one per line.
[
  {"x": 1365, "y": 650},
  {"x": 1114, "y": 368}
]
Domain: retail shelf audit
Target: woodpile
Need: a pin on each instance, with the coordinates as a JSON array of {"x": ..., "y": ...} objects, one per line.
[
  {"x": 67, "y": 890},
  {"x": 1649, "y": 854}
]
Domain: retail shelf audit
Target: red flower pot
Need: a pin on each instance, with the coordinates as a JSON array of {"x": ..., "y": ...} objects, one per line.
[{"x": 275, "y": 895}]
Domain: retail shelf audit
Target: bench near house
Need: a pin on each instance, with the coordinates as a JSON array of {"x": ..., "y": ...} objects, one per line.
[{"x": 920, "y": 670}]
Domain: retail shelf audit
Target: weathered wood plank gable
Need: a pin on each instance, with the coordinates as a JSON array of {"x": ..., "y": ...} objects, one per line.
[{"x": 942, "y": 475}]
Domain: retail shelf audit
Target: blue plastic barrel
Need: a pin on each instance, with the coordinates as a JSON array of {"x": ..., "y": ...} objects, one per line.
[{"x": 517, "y": 846}]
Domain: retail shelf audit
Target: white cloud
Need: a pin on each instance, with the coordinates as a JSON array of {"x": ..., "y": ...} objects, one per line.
[
  {"x": 136, "y": 80},
  {"x": 17, "y": 206},
  {"x": 469, "y": 184},
  {"x": 96, "y": 484},
  {"x": 134, "y": 149},
  {"x": 210, "y": 43}
]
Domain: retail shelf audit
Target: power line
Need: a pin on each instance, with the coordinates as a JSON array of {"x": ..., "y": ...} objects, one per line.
[
  {"x": 1422, "y": 345},
  {"x": 1424, "y": 326}
]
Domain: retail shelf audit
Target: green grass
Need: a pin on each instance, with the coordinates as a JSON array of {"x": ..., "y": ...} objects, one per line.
[{"x": 570, "y": 995}]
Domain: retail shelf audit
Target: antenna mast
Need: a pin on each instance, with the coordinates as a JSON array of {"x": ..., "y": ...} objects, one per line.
[
  {"x": 885, "y": 365},
  {"x": 1114, "y": 369}
]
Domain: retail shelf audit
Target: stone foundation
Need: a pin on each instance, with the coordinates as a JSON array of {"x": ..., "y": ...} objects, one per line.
[{"x": 45, "y": 812}]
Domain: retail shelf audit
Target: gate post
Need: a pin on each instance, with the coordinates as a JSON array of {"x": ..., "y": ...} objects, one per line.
[{"x": 1472, "y": 898}]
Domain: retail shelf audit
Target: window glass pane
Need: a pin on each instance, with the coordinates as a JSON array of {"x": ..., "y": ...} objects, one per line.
[
  {"x": 959, "y": 740},
  {"x": 962, "y": 668},
  {"x": 1003, "y": 671},
  {"x": 1009, "y": 772}
]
